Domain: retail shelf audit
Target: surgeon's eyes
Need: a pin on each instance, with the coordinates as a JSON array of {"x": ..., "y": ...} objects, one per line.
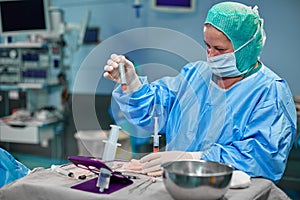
[{"x": 220, "y": 49}]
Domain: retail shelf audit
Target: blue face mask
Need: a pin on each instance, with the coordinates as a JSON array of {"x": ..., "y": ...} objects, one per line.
[{"x": 224, "y": 65}]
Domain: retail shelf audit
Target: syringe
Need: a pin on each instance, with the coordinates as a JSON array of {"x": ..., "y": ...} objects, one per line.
[
  {"x": 122, "y": 76},
  {"x": 61, "y": 170},
  {"x": 155, "y": 136},
  {"x": 111, "y": 144}
]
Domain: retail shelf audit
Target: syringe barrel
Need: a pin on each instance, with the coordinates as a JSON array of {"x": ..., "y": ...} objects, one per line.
[
  {"x": 156, "y": 140},
  {"x": 111, "y": 145},
  {"x": 122, "y": 73},
  {"x": 114, "y": 133},
  {"x": 110, "y": 150},
  {"x": 155, "y": 135}
]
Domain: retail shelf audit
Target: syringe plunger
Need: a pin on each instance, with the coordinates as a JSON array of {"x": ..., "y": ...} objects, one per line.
[{"x": 114, "y": 133}]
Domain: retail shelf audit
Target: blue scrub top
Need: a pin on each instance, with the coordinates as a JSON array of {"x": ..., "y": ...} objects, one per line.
[{"x": 250, "y": 126}]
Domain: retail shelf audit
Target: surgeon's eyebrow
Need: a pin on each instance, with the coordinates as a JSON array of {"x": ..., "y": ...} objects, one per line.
[{"x": 205, "y": 43}]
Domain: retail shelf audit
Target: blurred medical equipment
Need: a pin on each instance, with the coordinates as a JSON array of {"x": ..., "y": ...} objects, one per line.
[
  {"x": 36, "y": 63},
  {"x": 49, "y": 25},
  {"x": 90, "y": 143},
  {"x": 176, "y": 6},
  {"x": 137, "y": 5},
  {"x": 24, "y": 21}
]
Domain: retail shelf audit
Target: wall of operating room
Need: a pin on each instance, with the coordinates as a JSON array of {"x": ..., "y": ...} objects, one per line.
[{"x": 281, "y": 51}]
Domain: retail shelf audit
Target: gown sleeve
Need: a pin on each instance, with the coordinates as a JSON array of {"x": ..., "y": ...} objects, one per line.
[
  {"x": 155, "y": 99},
  {"x": 10, "y": 168}
]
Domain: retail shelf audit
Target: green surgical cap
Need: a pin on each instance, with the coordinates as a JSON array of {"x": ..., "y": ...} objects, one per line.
[{"x": 239, "y": 23}]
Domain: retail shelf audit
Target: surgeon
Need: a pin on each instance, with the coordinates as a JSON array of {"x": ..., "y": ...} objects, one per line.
[
  {"x": 10, "y": 168},
  {"x": 231, "y": 108}
]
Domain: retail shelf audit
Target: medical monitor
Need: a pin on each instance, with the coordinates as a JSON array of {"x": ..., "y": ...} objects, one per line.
[
  {"x": 24, "y": 17},
  {"x": 174, "y": 5}
]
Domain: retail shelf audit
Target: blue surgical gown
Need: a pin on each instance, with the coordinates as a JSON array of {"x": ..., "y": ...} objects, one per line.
[
  {"x": 250, "y": 126},
  {"x": 10, "y": 168}
]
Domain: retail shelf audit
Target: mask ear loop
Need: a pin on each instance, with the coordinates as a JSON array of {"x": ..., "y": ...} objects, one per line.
[{"x": 253, "y": 37}]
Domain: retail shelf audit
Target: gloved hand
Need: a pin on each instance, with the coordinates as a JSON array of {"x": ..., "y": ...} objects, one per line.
[
  {"x": 112, "y": 72},
  {"x": 151, "y": 163}
]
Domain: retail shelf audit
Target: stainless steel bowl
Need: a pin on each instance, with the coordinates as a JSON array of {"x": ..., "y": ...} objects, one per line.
[{"x": 196, "y": 179}]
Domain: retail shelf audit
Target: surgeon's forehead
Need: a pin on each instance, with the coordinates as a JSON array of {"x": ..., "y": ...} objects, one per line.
[{"x": 213, "y": 35}]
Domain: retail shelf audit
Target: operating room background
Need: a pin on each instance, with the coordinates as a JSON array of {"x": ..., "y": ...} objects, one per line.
[
  {"x": 280, "y": 53},
  {"x": 115, "y": 16}
]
